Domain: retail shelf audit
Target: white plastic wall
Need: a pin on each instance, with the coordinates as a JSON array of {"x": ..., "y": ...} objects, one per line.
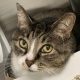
[{"x": 8, "y": 9}]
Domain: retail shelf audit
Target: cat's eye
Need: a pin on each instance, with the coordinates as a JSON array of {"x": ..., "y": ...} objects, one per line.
[
  {"x": 23, "y": 43},
  {"x": 47, "y": 48}
]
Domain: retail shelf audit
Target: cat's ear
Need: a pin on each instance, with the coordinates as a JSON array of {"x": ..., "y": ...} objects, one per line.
[
  {"x": 24, "y": 19},
  {"x": 63, "y": 27}
]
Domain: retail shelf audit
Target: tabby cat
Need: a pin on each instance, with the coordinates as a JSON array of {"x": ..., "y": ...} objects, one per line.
[{"x": 42, "y": 45}]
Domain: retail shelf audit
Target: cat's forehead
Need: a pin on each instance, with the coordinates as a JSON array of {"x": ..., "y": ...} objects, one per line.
[
  {"x": 38, "y": 30},
  {"x": 40, "y": 36}
]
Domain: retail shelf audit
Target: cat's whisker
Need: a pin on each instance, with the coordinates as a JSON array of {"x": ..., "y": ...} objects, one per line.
[{"x": 49, "y": 71}]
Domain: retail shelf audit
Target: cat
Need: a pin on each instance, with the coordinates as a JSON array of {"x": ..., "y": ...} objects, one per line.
[{"x": 40, "y": 45}]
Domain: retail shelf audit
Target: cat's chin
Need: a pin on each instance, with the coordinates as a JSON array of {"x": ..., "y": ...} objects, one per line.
[
  {"x": 46, "y": 72},
  {"x": 34, "y": 68},
  {"x": 31, "y": 75}
]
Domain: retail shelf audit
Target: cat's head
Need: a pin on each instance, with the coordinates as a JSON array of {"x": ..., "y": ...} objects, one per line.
[{"x": 38, "y": 47}]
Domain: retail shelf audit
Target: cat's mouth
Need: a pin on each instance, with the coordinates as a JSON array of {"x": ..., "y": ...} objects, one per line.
[{"x": 33, "y": 68}]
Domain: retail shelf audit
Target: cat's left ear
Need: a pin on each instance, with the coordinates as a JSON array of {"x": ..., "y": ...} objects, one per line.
[
  {"x": 63, "y": 27},
  {"x": 24, "y": 19}
]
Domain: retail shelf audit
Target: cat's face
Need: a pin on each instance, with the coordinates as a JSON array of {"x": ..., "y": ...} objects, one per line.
[{"x": 38, "y": 47}]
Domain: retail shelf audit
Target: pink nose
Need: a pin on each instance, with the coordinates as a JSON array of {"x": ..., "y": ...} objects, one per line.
[{"x": 29, "y": 62}]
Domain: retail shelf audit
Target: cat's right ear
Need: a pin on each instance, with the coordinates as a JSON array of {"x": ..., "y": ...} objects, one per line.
[
  {"x": 24, "y": 19},
  {"x": 63, "y": 27}
]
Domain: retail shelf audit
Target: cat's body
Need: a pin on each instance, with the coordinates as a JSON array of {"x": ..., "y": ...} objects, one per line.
[{"x": 41, "y": 45}]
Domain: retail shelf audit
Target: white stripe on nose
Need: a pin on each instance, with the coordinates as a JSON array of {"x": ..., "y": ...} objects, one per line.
[{"x": 30, "y": 55}]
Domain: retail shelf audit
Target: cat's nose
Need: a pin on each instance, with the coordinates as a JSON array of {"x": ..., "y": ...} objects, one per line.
[{"x": 29, "y": 62}]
